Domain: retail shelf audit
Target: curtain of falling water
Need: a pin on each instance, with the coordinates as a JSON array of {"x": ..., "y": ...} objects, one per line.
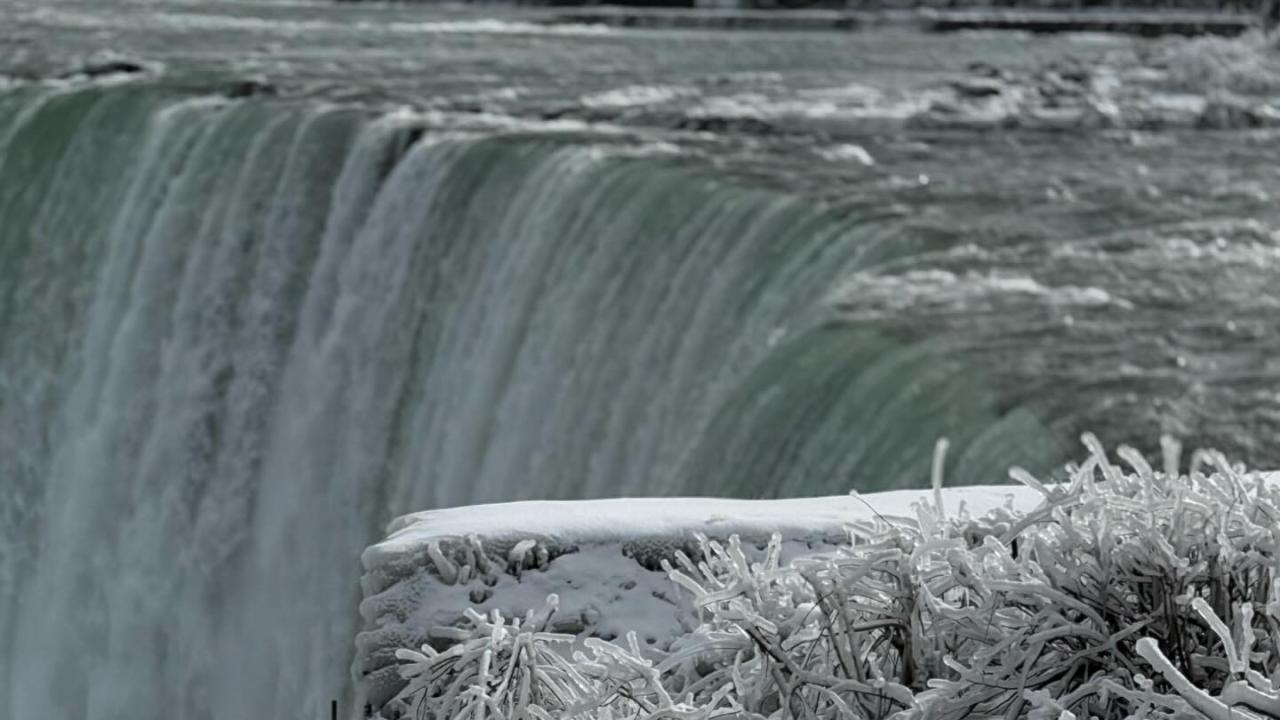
[{"x": 237, "y": 337}]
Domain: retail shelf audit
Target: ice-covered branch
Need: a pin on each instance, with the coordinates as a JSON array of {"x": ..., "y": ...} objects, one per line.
[{"x": 1128, "y": 592}]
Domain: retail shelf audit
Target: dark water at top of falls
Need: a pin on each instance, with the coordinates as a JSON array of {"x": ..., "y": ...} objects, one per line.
[{"x": 451, "y": 259}]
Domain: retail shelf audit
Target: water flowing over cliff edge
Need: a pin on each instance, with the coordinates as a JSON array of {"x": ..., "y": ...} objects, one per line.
[{"x": 240, "y": 332}]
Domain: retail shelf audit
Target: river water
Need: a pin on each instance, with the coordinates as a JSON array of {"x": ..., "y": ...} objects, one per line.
[{"x": 317, "y": 266}]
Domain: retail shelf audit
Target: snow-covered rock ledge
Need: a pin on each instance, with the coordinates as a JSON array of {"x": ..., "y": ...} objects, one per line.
[
  {"x": 602, "y": 558},
  {"x": 1058, "y": 601}
]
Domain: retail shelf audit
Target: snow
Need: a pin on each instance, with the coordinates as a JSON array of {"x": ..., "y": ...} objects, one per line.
[
  {"x": 602, "y": 558},
  {"x": 623, "y": 519}
]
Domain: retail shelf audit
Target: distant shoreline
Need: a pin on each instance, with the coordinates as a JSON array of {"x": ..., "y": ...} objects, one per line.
[{"x": 1142, "y": 22}]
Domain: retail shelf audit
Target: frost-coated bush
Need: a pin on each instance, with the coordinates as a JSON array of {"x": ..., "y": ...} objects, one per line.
[
  {"x": 1128, "y": 593},
  {"x": 516, "y": 669}
]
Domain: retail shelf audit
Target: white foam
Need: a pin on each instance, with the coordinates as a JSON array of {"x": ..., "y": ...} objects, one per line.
[
  {"x": 941, "y": 287},
  {"x": 848, "y": 151},
  {"x": 638, "y": 95}
]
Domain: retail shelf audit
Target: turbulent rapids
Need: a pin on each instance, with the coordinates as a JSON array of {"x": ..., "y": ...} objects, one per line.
[{"x": 245, "y": 324}]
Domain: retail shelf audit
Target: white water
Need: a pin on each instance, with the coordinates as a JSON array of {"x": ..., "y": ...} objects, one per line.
[{"x": 238, "y": 337}]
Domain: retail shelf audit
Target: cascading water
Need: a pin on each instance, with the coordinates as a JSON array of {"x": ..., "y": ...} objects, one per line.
[{"x": 237, "y": 337}]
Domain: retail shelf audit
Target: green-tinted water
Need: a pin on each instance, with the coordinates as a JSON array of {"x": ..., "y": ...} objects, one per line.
[{"x": 238, "y": 334}]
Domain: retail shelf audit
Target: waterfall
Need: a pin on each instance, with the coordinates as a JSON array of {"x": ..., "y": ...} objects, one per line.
[{"x": 237, "y": 337}]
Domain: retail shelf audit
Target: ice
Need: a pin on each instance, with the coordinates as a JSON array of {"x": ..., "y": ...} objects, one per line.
[
  {"x": 601, "y": 558},
  {"x": 584, "y": 613}
]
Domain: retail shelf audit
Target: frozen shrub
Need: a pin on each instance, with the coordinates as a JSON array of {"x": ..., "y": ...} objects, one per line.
[
  {"x": 516, "y": 669},
  {"x": 1129, "y": 592},
  {"x": 1109, "y": 565}
]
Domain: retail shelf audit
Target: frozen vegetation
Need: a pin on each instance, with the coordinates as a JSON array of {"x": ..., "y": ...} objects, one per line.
[
  {"x": 601, "y": 558},
  {"x": 1124, "y": 592}
]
